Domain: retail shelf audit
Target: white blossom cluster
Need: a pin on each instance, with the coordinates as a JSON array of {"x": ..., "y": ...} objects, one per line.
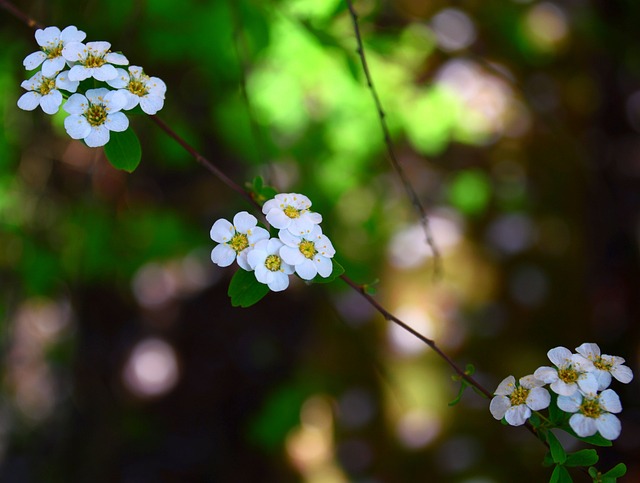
[
  {"x": 300, "y": 246},
  {"x": 64, "y": 61},
  {"x": 580, "y": 380}
]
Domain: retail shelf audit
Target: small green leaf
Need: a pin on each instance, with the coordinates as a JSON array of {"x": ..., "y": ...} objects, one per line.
[
  {"x": 463, "y": 385},
  {"x": 617, "y": 471},
  {"x": 245, "y": 290},
  {"x": 547, "y": 460},
  {"x": 560, "y": 475},
  {"x": 556, "y": 415},
  {"x": 557, "y": 451},
  {"x": 584, "y": 457},
  {"x": 123, "y": 150},
  {"x": 593, "y": 472},
  {"x": 335, "y": 273}
]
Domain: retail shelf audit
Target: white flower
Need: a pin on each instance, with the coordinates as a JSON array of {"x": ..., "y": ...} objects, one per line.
[
  {"x": 605, "y": 366},
  {"x": 93, "y": 116},
  {"x": 515, "y": 402},
  {"x": 92, "y": 59},
  {"x": 52, "y": 42},
  {"x": 236, "y": 240},
  {"x": 593, "y": 413},
  {"x": 290, "y": 211},
  {"x": 310, "y": 253},
  {"x": 269, "y": 267},
  {"x": 569, "y": 375},
  {"x": 140, "y": 88},
  {"x": 43, "y": 92}
]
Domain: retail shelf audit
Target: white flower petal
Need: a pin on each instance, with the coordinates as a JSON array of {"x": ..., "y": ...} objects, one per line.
[
  {"x": 51, "y": 67},
  {"x": 546, "y": 374},
  {"x": 499, "y": 406},
  {"x": 116, "y": 58},
  {"x": 263, "y": 275},
  {"x": 562, "y": 388},
  {"x": 517, "y": 415},
  {"x": 74, "y": 51},
  {"x": 47, "y": 36},
  {"x": 609, "y": 426},
  {"x": 156, "y": 87},
  {"x": 582, "y": 425},
  {"x": 257, "y": 233},
  {"x": 506, "y": 387},
  {"x": 306, "y": 270},
  {"x": 560, "y": 356},
  {"x": 29, "y": 101},
  {"x": 622, "y": 374},
  {"x": 289, "y": 238},
  {"x": 98, "y": 96},
  {"x": 105, "y": 72},
  {"x": 98, "y": 48},
  {"x": 273, "y": 246},
  {"x": 151, "y": 104},
  {"x": 588, "y": 350},
  {"x": 77, "y": 126},
  {"x": 63, "y": 82},
  {"x": 269, "y": 205},
  {"x": 51, "y": 102},
  {"x": 72, "y": 34},
  {"x": 79, "y": 73},
  {"x": 324, "y": 266},
  {"x": 76, "y": 104},
  {"x": 223, "y": 255},
  {"x": 291, "y": 255},
  {"x": 121, "y": 81},
  {"x": 242, "y": 259},
  {"x": 256, "y": 258},
  {"x": 32, "y": 61},
  {"x": 588, "y": 383},
  {"x": 279, "y": 282},
  {"x": 117, "y": 121},
  {"x": 570, "y": 404},
  {"x": 99, "y": 136},
  {"x": 278, "y": 219},
  {"x": 609, "y": 401},
  {"x": 530, "y": 381},
  {"x": 222, "y": 231},
  {"x": 539, "y": 398},
  {"x": 603, "y": 378},
  {"x": 244, "y": 221}
]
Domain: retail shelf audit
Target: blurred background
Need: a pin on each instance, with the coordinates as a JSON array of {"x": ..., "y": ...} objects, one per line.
[{"x": 518, "y": 123}]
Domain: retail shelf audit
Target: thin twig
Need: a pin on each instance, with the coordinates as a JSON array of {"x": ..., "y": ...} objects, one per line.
[
  {"x": 19, "y": 14},
  {"x": 413, "y": 196}
]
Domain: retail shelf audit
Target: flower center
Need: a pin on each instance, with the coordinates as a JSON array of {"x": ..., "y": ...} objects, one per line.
[
  {"x": 46, "y": 86},
  {"x": 590, "y": 408},
  {"x": 96, "y": 114},
  {"x": 291, "y": 212},
  {"x": 137, "y": 87},
  {"x": 273, "y": 263},
  {"x": 307, "y": 248},
  {"x": 93, "y": 61},
  {"x": 519, "y": 396},
  {"x": 53, "y": 52},
  {"x": 239, "y": 242},
  {"x": 568, "y": 375},
  {"x": 601, "y": 364}
]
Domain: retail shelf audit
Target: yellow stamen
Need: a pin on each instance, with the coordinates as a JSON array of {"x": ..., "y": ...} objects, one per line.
[
  {"x": 239, "y": 242},
  {"x": 307, "y": 248},
  {"x": 273, "y": 263}
]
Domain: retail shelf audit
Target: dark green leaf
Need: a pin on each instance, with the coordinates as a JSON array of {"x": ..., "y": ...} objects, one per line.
[
  {"x": 123, "y": 150},
  {"x": 556, "y": 415},
  {"x": 335, "y": 273},
  {"x": 596, "y": 439},
  {"x": 617, "y": 471},
  {"x": 245, "y": 290},
  {"x": 560, "y": 475},
  {"x": 584, "y": 457},
  {"x": 593, "y": 472},
  {"x": 547, "y": 460},
  {"x": 557, "y": 451}
]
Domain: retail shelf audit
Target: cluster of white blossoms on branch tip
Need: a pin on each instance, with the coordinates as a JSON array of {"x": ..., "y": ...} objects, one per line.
[
  {"x": 64, "y": 62},
  {"x": 300, "y": 246},
  {"x": 580, "y": 380}
]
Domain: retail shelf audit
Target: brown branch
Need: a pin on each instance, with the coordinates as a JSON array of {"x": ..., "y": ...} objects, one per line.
[
  {"x": 411, "y": 193},
  {"x": 12, "y": 9}
]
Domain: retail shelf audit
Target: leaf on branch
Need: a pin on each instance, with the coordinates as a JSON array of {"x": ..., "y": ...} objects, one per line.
[
  {"x": 560, "y": 475},
  {"x": 245, "y": 290},
  {"x": 260, "y": 192},
  {"x": 584, "y": 457},
  {"x": 123, "y": 150},
  {"x": 616, "y": 472},
  {"x": 557, "y": 451},
  {"x": 335, "y": 273}
]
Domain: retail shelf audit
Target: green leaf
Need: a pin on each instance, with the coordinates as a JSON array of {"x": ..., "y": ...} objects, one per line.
[
  {"x": 557, "y": 451},
  {"x": 593, "y": 472},
  {"x": 245, "y": 290},
  {"x": 616, "y": 472},
  {"x": 556, "y": 415},
  {"x": 596, "y": 439},
  {"x": 560, "y": 475},
  {"x": 335, "y": 273},
  {"x": 463, "y": 385},
  {"x": 547, "y": 460},
  {"x": 584, "y": 457},
  {"x": 123, "y": 150},
  {"x": 260, "y": 192}
]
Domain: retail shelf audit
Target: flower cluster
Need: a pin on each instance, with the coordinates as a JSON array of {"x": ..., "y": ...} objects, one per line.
[
  {"x": 300, "y": 246},
  {"x": 64, "y": 61},
  {"x": 581, "y": 382}
]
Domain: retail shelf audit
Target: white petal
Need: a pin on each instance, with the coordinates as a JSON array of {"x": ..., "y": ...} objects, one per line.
[
  {"x": 560, "y": 356},
  {"x": 121, "y": 81},
  {"x": 273, "y": 246},
  {"x": 79, "y": 73},
  {"x": 49, "y": 35},
  {"x": 74, "y": 51},
  {"x": 72, "y": 34},
  {"x": 244, "y": 221},
  {"x": 539, "y": 398},
  {"x": 105, "y": 72},
  {"x": 76, "y": 104},
  {"x": 289, "y": 238},
  {"x": 506, "y": 387},
  {"x": 517, "y": 415},
  {"x": 223, "y": 255},
  {"x": 33, "y": 83},
  {"x": 546, "y": 374},
  {"x": 136, "y": 71},
  {"x": 306, "y": 270},
  {"x": 98, "y": 48},
  {"x": 263, "y": 275},
  {"x": 222, "y": 231},
  {"x": 582, "y": 364},
  {"x": 314, "y": 217},
  {"x": 291, "y": 255},
  {"x": 588, "y": 350},
  {"x": 98, "y": 96},
  {"x": 570, "y": 404},
  {"x": 269, "y": 205},
  {"x": 242, "y": 259},
  {"x": 622, "y": 373},
  {"x": 51, "y": 67},
  {"x": 588, "y": 383},
  {"x": 278, "y": 219},
  {"x": 563, "y": 389},
  {"x": 609, "y": 426},
  {"x": 609, "y": 401},
  {"x": 151, "y": 104},
  {"x": 117, "y": 122},
  {"x": 99, "y": 136},
  {"x": 132, "y": 100},
  {"x": 51, "y": 102},
  {"x": 582, "y": 425},
  {"x": 279, "y": 282},
  {"x": 63, "y": 82},
  {"x": 530, "y": 381},
  {"x": 256, "y": 259},
  {"x": 257, "y": 233},
  {"x": 324, "y": 266},
  {"x": 116, "y": 58},
  {"x": 29, "y": 101},
  {"x": 156, "y": 87},
  {"x": 115, "y": 100},
  {"x": 300, "y": 226},
  {"x": 32, "y": 61},
  {"x": 77, "y": 126},
  {"x": 603, "y": 378},
  {"x": 300, "y": 201},
  {"x": 499, "y": 406}
]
